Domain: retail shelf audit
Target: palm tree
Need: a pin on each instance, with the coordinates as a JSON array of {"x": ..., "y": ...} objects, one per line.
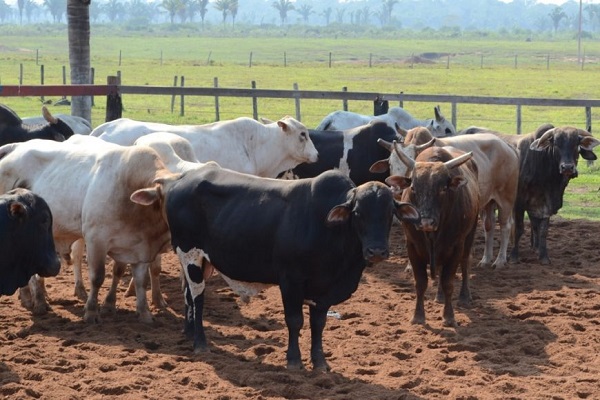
[
  {"x": 172, "y": 7},
  {"x": 283, "y": 6},
  {"x": 223, "y": 6},
  {"x": 57, "y": 9},
  {"x": 78, "y": 16},
  {"x": 305, "y": 11},
  {"x": 388, "y": 7},
  {"x": 5, "y": 10},
  {"x": 21, "y": 6},
  {"x": 327, "y": 14},
  {"x": 557, "y": 15},
  {"x": 113, "y": 10},
  {"x": 202, "y": 9},
  {"x": 233, "y": 9}
]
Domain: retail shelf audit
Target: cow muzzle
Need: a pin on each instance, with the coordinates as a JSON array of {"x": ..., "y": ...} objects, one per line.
[
  {"x": 568, "y": 170},
  {"x": 376, "y": 254},
  {"x": 428, "y": 225}
]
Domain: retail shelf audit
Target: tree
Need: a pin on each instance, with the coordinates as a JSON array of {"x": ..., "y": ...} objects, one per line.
[
  {"x": 113, "y": 10},
  {"x": 202, "y": 9},
  {"x": 339, "y": 14},
  {"x": 21, "y": 6},
  {"x": 172, "y": 7},
  {"x": 557, "y": 15},
  {"x": 5, "y": 10},
  {"x": 78, "y": 16},
  {"x": 233, "y": 9},
  {"x": 283, "y": 6},
  {"x": 388, "y": 7},
  {"x": 327, "y": 14},
  {"x": 223, "y": 6},
  {"x": 305, "y": 10},
  {"x": 57, "y": 9}
]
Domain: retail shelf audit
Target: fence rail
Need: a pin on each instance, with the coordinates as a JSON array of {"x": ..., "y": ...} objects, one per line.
[{"x": 113, "y": 91}]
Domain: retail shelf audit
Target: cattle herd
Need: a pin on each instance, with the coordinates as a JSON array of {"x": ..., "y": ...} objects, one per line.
[{"x": 270, "y": 203}]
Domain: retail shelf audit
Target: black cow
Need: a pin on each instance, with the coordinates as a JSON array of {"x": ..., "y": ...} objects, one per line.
[
  {"x": 548, "y": 161},
  {"x": 443, "y": 186},
  {"x": 312, "y": 237},
  {"x": 13, "y": 130},
  {"x": 26, "y": 243},
  {"x": 352, "y": 151}
]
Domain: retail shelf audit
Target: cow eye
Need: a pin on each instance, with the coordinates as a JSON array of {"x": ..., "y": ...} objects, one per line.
[
  {"x": 448, "y": 131},
  {"x": 303, "y": 135}
]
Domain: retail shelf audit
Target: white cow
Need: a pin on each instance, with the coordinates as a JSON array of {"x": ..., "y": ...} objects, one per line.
[
  {"x": 242, "y": 144},
  {"x": 77, "y": 124},
  {"x": 88, "y": 189},
  {"x": 342, "y": 120}
]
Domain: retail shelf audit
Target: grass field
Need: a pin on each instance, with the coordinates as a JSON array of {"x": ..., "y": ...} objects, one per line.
[{"x": 540, "y": 69}]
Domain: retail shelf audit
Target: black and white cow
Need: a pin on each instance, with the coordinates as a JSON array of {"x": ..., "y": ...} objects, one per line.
[
  {"x": 311, "y": 237},
  {"x": 13, "y": 130},
  {"x": 26, "y": 243},
  {"x": 352, "y": 151}
]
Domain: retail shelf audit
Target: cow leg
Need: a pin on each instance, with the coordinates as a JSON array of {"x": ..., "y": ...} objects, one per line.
[
  {"x": 140, "y": 272},
  {"x": 519, "y": 228},
  {"x": 188, "y": 321},
  {"x": 33, "y": 296},
  {"x": 487, "y": 218},
  {"x": 420, "y": 275},
  {"x": 96, "y": 257},
  {"x": 77, "y": 249},
  {"x": 535, "y": 232},
  {"x": 318, "y": 319},
  {"x": 194, "y": 265},
  {"x": 293, "y": 299},
  {"x": 506, "y": 221},
  {"x": 542, "y": 236},
  {"x": 157, "y": 297},
  {"x": 110, "y": 303},
  {"x": 447, "y": 282}
]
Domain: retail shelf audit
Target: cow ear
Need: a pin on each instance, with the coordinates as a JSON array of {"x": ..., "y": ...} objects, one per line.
[
  {"x": 339, "y": 214},
  {"x": 284, "y": 127},
  {"x": 587, "y": 154},
  {"x": 398, "y": 181},
  {"x": 456, "y": 182},
  {"x": 588, "y": 143},
  {"x": 407, "y": 212},
  {"x": 17, "y": 210},
  {"x": 146, "y": 196},
  {"x": 266, "y": 121},
  {"x": 380, "y": 166}
]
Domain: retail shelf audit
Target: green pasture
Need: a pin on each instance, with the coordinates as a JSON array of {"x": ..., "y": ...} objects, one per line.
[{"x": 481, "y": 67}]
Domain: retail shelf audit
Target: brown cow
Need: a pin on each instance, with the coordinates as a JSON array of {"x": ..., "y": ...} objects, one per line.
[
  {"x": 443, "y": 186},
  {"x": 498, "y": 166}
]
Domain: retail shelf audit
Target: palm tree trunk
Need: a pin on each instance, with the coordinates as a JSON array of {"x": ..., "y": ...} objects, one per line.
[{"x": 78, "y": 14}]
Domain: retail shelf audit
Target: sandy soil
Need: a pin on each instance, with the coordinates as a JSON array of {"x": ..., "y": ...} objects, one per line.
[{"x": 533, "y": 333}]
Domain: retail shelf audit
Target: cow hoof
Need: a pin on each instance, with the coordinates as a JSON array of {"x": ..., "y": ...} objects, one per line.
[
  {"x": 450, "y": 323},
  {"x": 464, "y": 303},
  {"x": 91, "y": 317},
  {"x": 146, "y": 318},
  {"x": 545, "y": 261},
  {"x": 160, "y": 302},
  {"x": 484, "y": 264},
  {"x": 321, "y": 367},
  {"x": 201, "y": 350},
  {"x": 418, "y": 321},
  {"x": 499, "y": 265},
  {"x": 40, "y": 308},
  {"x": 81, "y": 293},
  {"x": 295, "y": 365}
]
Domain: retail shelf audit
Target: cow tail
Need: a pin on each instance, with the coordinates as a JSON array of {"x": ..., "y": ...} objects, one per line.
[{"x": 431, "y": 248}]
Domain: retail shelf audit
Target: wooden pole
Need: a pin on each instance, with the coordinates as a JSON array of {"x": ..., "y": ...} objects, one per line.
[
  {"x": 345, "y": 101},
  {"x": 297, "y": 101},
  {"x": 92, "y": 79},
  {"x": 42, "y": 78},
  {"x": 284, "y": 59},
  {"x": 518, "y": 119},
  {"x": 182, "y": 103},
  {"x": 64, "y": 76},
  {"x": 370, "y": 59},
  {"x": 114, "y": 104},
  {"x": 173, "y": 96},
  {"x": 21, "y": 74},
  {"x": 119, "y": 58},
  {"x": 254, "y": 103},
  {"x": 208, "y": 58},
  {"x": 250, "y": 62},
  {"x": 329, "y": 59},
  {"x": 588, "y": 119},
  {"x": 216, "y": 84}
]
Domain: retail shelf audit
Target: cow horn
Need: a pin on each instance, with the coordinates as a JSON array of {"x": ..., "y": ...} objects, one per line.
[
  {"x": 583, "y": 132},
  {"x": 424, "y": 146},
  {"x": 48, "y": 116},
  {"x": 438, "y": 114},
  {"x": 455, "y": 162},
  {"x": 547, "y": 135},
  {"x": 406, "y": 160},
  {"x": 401, "y": 131},
  {"x": 385, "y": 144}
]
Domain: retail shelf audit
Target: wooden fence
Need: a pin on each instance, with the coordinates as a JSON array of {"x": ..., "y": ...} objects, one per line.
[{"x": 113, "y": 91}]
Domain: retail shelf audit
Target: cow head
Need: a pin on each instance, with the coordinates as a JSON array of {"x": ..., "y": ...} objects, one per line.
[
  {"x": 439, "y": 126},
  {"x": 369, "y": 209},
  {"x": 429, "y": 187},
  {"x": 302, "y": 146},
  {"x": 60, "y": 130},
  {"x": 27, "y": 234},
  {"x": 565, "y": 144}
]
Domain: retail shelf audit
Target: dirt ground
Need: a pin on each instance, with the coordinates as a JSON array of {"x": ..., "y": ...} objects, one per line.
[{"x": 533, "y": 333}]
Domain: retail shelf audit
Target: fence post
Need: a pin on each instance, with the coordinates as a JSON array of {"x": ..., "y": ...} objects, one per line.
[
  {"x": 401, "y": 102},
  {"x": 114, "y": 104},
  {"x": 216, "y": 85},
  {"x": 516, "y": 56},
  {"x": 173, "y": 96},
  {"x": 548, "y": 61},
  {"x": 161, "y": 58},
  {"x": 42, "y": 78},
  {"x": 92, "y": 76},
  {"x": 370, "y": 59},
  {"x": 64, "y": 76},
  {"x": 21, "y": 74},
  {"x": 448, "y": 62},
  {"x": 284, "y": 59},
  {"x": 380, "y": 106},
  {"x": 454, "y": 113},
  {"x": 37, "y": 56},
  {"x": 182, "y": 103},
  {"x": 588, "y": 119},
  {"x": 250, "y": 62},
  {"x": 518, "y": 119},
  {"x": 345, "y": 101},
  {"x": 254, "y": 102},
  {"x": 297, "y": 101},
  {"x": 208, "y": 58},
  {"x": 481, "y": 62},
  {"x": 329, "y": 59},
  {"x": 119, "y": 58}
]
